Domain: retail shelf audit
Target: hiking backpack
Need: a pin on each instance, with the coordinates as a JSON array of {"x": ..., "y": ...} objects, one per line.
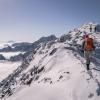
[{"x": 88, "y": 44}]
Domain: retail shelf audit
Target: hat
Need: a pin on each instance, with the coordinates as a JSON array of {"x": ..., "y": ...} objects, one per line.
[{"x": 85, "y": 36}]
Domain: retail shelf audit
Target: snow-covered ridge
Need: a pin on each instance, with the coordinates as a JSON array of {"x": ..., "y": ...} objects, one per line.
[
  {"x": 7, "y": 68},
  {"x": 90, "y": 27},
  {"x": 62, "y": 68},
  {"x": 56, "y": 71}
]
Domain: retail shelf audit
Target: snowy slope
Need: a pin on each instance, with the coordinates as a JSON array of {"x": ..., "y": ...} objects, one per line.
[
  {"x": 64, "y": 78},
  {"x": 7, "y": 67},
  {"x": 56, "y": 72}
]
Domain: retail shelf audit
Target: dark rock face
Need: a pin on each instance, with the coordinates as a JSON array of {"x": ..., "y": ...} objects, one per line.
[
  {"x": 53, "y": 51},
  {"x": 46, "y": 39},
  {"x": 2, "y": 57},
  {"x": 97, "y": 28},
  {"x": 17, "y": 57},
  {"x": 63, "y": 38},
  {"x": 21, "y": 57},
  {"x": 6, "y": 49},
  {"x": 22, "y": 46}
]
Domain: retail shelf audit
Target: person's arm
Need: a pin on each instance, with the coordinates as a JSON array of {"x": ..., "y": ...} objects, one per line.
[
  {"x": 82, "y": 46},
  {"x": 83, "y": 43},
  {"x": 94, "y": 46}
]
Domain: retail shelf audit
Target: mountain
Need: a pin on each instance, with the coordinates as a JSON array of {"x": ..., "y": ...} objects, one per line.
[
  {"x": 90, "y": 27},
  {"x": 2, "y": 57},
  {"x": 17, "y": 51},
  {"x": 6, "y": 44},
  {"x": 25, "y": 46},
  {"x": 56, "y": 70}
]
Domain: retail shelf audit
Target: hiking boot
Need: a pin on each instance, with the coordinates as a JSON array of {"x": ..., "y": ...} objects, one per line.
[{"x": 88, "y": 67}]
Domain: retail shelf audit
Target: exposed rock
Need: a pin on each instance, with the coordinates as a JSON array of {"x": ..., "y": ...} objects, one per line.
[{"x": 2, "y": 57}]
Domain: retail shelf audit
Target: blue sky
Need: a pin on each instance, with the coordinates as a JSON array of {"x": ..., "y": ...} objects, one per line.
[{"x": 28, "y": 20}]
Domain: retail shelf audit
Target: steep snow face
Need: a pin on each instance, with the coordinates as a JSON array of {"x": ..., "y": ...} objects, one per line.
[
  {"x": 64, "y": 77},
  {"x": 6, "y": 68}
]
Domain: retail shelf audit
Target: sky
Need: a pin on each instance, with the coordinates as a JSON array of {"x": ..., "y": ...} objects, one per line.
[{"x": 28, "y": 20}]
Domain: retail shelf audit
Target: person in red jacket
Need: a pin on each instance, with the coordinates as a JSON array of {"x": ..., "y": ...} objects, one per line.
[{"x": 88, "y": 47}]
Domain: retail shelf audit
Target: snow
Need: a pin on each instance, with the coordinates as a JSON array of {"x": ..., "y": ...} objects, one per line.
[
  {"x": 7, "y": 68},
  {"x": 7, "y": 55},
  {"x": 73, "y": 85},
  {"x": 38, "y": 92},
  {"x": 5, "y": 44},
  {"x": 64, "y": 77}
]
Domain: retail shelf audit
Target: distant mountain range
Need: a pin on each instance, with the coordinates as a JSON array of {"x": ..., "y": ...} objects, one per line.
[{"x": 25, "y": 46}]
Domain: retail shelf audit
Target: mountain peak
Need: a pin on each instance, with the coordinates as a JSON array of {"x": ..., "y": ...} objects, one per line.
[
  {"x": 90, "y": 23},
  {"x": 90, "y": 27},
  {"x": 46, "y": 39}
]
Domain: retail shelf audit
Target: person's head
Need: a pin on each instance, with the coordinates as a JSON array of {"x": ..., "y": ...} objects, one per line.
[{"x": 85, "y": 36}]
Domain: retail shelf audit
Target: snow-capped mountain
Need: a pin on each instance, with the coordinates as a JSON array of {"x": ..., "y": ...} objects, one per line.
[
  {"x": 14, "y": 51},
  {"x": 24, "y": 46},
  {"x": 6, "y": 44},
  {"x": 55, "y": 70}
]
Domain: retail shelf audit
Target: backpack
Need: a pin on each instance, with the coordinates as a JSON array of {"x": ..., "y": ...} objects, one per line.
[{"x": 88, "y": 46}]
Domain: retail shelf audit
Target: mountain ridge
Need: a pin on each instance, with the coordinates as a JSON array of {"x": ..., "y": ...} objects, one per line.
[{"x": 58, "y": 65}]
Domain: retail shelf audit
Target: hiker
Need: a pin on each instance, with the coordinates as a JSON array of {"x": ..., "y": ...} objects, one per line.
[
  {"x": 95, "y": 29},
  {"x": 90, "y": 28},
  {"x": 88, "y": 47}
]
